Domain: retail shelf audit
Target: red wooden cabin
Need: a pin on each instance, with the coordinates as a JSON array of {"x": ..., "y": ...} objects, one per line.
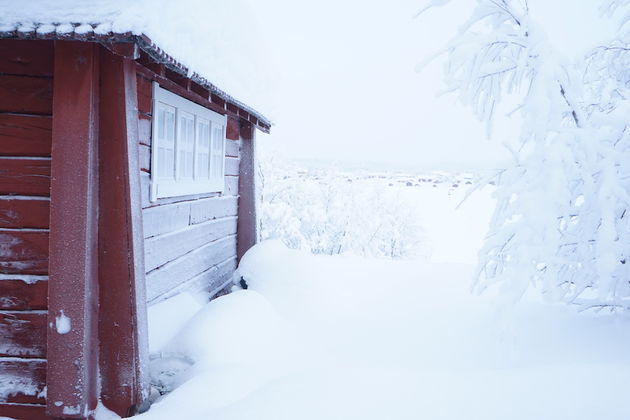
[{"x": 123, "y": 180}]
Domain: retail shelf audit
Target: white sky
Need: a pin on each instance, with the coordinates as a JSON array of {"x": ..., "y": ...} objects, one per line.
[{"x": 345, "y": 85}]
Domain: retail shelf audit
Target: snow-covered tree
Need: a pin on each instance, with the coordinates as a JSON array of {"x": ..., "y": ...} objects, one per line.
[{"x": 562, "y": 221}]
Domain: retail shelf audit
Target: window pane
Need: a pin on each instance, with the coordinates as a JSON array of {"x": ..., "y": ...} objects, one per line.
[
  {"x": 202, "y": 169},
  {"x": 165, "y": 141},
  {"x": 216, "y": 160},
  {"x": 186, "y": 144}
]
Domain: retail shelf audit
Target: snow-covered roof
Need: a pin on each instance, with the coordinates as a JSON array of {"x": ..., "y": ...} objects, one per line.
[{"x": 210, "y": 55}]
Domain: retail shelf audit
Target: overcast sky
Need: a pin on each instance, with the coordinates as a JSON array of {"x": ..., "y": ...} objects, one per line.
[{"x": 345, "y": 85}]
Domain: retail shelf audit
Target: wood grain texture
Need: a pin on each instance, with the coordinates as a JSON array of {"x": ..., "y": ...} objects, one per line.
[
  {"x": 26, "y": 94},
  {"x": 145, "y": 95},
  {"x": 212, "y": 281},
  {"x": 233, "y": 128},
  {"x": 24, "y": 57},
  {"x": 167, "y": 218},
  {"x": 24, "y": 213},
  {"x": 160, "y": 250},
  {"x": 72, "y": 289},
  {"x": 122, "y": 327},
  {"x": 22, "y": 381},
  {"x": 18, "y": 295},
  {"x": 232, "y": 166},
  {"x": 144, "y": 129},
  {"x": 24, "y": 411},
  {"x": 23, "y": 334},
  {"x": 248, "y": 197},
  {"x": 23, "y": 252},
  {"x": 231, "y": 186},
  {"x": 212, "y": 208},
  {"x": 179, "y": 271},
  {"x": 144, "y": 156},
  {"x": 232, "y": 148},
  {"x": 25, "y": 135},
  {"x": 25, "y": 176}
]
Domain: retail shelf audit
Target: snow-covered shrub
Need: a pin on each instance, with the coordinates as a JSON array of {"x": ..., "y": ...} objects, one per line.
[
  {"x": 329, "y": 213},
  {"x": 561, "y": 221}
]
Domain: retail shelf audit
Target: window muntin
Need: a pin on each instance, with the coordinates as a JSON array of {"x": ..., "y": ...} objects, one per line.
[
  {"x": 203, "y": 149},
  {"x": 165, "y": 141},
  {"x": 188, "y": 153}
]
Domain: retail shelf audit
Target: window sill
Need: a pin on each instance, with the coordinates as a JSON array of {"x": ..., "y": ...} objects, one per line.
[{"x": 169, "y": 189}]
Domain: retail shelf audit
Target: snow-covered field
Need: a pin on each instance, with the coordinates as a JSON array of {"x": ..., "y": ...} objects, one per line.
[{"x": 346, "y": 337}]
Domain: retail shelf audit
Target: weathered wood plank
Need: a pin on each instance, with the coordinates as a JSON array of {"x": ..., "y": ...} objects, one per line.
[
  {"x": 25, "y": 176},
  {"x": 26, "y": 94},
  {"x": 24, "y": 57},
  {"x": 167, "y": 218},
  {"x": 20, "y": 295},
  {"x": 232, "y": 148},
  {"x": 212, "y": 280},
  {"x": 231, "y": 185},
  {"x": 233, "y": 127},
  {"x": 212, "y": 208},
  {"x": 122, "y": 326},
  {"x": 24, "y": 213},
  {"x": 144, "y": 129},
  {"x": 25, "y": 135},
  {"x": 145, "y": 190},
  {"x": 145, "y": 95},
  {"x": 144, "y": 155},
  {"x": 248, "y": 197},
  {"x": 72, "y": 362},
  {"x": 23, "y": 334},
  {"x": 23, "y": 252},
  {"x": 171, "y": 275},
  {"x": 231, "y": 166},
  {"x": 24, "y": 411},
  {"x": 22, "y": 381},
  {"x": 159, "y": 250}
]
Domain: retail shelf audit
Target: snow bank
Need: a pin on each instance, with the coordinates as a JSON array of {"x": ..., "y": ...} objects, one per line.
[
  {"x": 167, "y": 318},
  {"x": 340, "y": 337}
]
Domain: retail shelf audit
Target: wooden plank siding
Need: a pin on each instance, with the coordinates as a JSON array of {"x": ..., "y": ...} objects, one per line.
[
  {"x": 22, "y": 381},
  {"x": 23, "y": 334},
  {"x": 26, "y": 58},
  {"x": 122, "y": 326},
  {"x": 190, "y": 241},
  {"x": 24, "y": 212},
  {"x": 25, "y": 135},
  {"x": 183, "y": 241},
  {"x": 23, "y": 293},
  {"x": 207, "y": 259},
  {"x": 26, "y": 90},
  {"x": 25, "y": 176},
  {"x": 23, "y": 251}
]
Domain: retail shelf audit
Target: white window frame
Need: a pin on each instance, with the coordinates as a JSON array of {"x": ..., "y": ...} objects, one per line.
[{"x": 162, "y": 187}]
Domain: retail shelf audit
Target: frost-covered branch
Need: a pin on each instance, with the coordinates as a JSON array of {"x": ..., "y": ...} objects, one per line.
[{"x": 559, "y": 222}]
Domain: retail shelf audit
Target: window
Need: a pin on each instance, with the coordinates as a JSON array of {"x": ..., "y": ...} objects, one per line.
[{"x": 188, "y": 153}]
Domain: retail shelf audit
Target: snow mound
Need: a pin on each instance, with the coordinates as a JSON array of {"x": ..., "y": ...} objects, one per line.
[{"x": 342, "y": 337}]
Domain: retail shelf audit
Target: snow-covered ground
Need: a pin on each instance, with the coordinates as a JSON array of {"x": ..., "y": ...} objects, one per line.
[{"x": 344, "y": 337}]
